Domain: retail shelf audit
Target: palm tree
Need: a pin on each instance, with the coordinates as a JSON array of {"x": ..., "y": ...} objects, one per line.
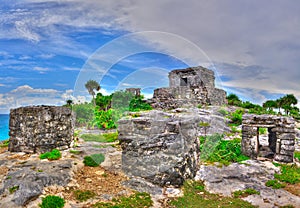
[
  {"x": 270, "y": 104},
  {"x": 92, "y": 85},
  {"x": 69, "y": 102}
]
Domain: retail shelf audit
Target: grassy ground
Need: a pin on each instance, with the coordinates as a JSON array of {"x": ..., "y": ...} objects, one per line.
[
  {"x": 195, "y": 196},
  {"x": 108, "y": 137}
]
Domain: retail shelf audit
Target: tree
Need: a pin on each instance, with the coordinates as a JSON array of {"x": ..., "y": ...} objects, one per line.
[
  {"x": 92, "y": 85},
  {"x": 287, "y": 102},
  {"x": 233, "y": 99},
  {"x": 270, "y": 104},
  {"x": 69, "y": 102},
  {"x": 279, "y": 103}
]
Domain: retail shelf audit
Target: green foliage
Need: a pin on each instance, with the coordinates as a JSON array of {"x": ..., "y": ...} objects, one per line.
[
  {"x": 233, "y": 99},
  {"x": 262, "y": 130},
  {"x": 235, "y": 130},
  {"x": 13, "y": 189},
  {"x": 84, "y": 114},
  {"x": 223, "y": 112},
  {"x": 214, "y": 149},
  {"x": 52, "y": 201},
  {"x": 274, "y": 184},
  {"x": 289, "y": 174},
  {"x": 82, "y": 196},
  {"x": 137, "y": 200},
  {"x": 4, "y": 143},
  {"x": 93, "y": 160},
  {"x": 75, "y": 152},
  {"x": 103, "y": 101},
  {"x": 245, "y": 193},
  {"x": 53, "y": 155},
  {"x": 195, "y": 196},
  {"x": 107, "y": 119},
  {"x": 237, "y": 116},
  {"x": 107, "y": 137},
  {"x": 297, "y": 155},
  {"x": 138, "y": 104}
]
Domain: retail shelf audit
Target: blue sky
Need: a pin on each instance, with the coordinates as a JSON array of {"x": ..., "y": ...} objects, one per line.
[{"x": 48, "y": 49}]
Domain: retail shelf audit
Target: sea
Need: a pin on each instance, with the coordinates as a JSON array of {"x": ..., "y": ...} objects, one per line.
[{"x": 4, "y": 121}]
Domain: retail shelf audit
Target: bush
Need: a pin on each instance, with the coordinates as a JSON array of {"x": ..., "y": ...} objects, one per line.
[
  {"x": 274, "y": 184},
  {"x": 262, "y": 130},
  {"x": 106, "y": 119},
  {"x": 93, "y": 160},
  {"x": 53, "y": 155},
  {"x": 13, "y": 189},
  {"x": 237, "y": 117},
  {"x": 137, "y": 104},
  {"x": 84, "y": 114},
  {"x": 110, "y": 137},
  {"x": 214, "y": 149},
  {"x": 83, "y": 195},
  {"x": 52, "y": 201},
  {"x": 4, "y": 143}
]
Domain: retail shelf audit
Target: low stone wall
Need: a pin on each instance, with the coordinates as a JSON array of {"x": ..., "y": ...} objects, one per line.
[
  {"x": 281, "y": 136},
  {"x": 162, "y": 148},
  {"x": 38, "y": 129}
]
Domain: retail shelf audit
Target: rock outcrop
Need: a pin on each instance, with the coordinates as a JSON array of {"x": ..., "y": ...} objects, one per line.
[{"x": 39, "y": 129}]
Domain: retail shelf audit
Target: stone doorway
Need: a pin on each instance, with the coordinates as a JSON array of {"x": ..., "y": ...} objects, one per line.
[
  {"x": 184, "y": 81},
  {"x": 281, "y": 137},
  {"x": 266, "y": 142}
]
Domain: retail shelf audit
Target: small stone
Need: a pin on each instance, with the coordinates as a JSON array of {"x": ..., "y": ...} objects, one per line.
[{"x": 88, "y": 180}]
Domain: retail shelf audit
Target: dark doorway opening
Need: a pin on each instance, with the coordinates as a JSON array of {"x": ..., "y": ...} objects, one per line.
[
  {"x": 183, "y": 81},
  {"x": 266, "y": 140}
]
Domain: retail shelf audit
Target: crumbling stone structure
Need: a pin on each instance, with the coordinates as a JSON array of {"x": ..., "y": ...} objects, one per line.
[
  {"x": 189, "y": 87},
  {"x": 134, "y": 91},
  {"x": 281, "y": 136},
  {"x": 38, "y": 129},
  {"x": 162, "y": 148}
]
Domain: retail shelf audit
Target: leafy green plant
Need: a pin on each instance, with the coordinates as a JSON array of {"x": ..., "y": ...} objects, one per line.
[
  {"x": 297, "y": 155},
  {"x": 289, "y": 174},
  {"x": 93, "y": 160},
  {"x": 52, "y": 201},
  {"x": 237, "y": 116},
  {"x": 196, "y": 196},
  {"x": 53, "y": 155},
  {"x": 275, "y": 184},
  {"x": 138, "y": 104},
  {"x": 81, "y": 195},
  {"x": 235, "y": 130},
  {"x": 4, "y": 143},
  {"x": 84, "y": 114},
  {"x": 223, "y": 112},
  {"x": 262, "y": 130},
  {"x": 13, "y": 189},
  {"x": 111, "y": 137},
  {"x": 245, "y": 193},
  {"x": 214, "y": 149},
  {"x": 137, "y": 200}
]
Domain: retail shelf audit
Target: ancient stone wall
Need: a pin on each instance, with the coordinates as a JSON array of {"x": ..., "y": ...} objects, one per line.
[
  {"x": 39, "y": 129},
  {"x": 160, "y": 147},
  {"x": 281, "y": 136},
  {"x": 189, "y": 87}
]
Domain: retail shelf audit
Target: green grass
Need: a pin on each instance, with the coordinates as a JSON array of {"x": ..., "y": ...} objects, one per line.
[
  {"x": 107, "y": 137},
  {"x": 262, "y": 131},
  {"x": 214, "y": 149},
  {"x": 275, "y": 184},
  {"x": 4, "y": 143},
  {"x": 196, "y": 197},
  {"x": 93, "y": 160},
  {"x": 13, "y": 189},
  {"x": 53, "y": 155},
  {"x": 137, "y": 200},
  {"x": 245, "y": 193},
  {"x": 289, "y": 174},
  {"x": 52, "y": 201},
  {"x": 75, "y": 152},
  {"x": 297, "y": 155},
  {"x": 82, "y": 196}
]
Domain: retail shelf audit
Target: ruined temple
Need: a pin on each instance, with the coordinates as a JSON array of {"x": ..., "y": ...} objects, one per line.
[{"x": 189, "y": 87}]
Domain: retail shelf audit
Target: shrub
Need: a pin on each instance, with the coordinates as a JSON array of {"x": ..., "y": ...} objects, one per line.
[
  {"x": 52, "y": 201},
  {"x": 262, "y": 130},
  {"x": 214, "y": 149},
  {"x": 93, "y": 160},
  {"x": 53, "y": 155},
  {"x": 297, "y": 155},
  {"x": 274, "y": 184},
  {"x": 223, "y": 112},
  {"x": 110, "y": 137},
  {"x": 237, "y": 117},
  {"x": 4, "y": 143},
  {"x": 245, "y": 193},
  {"x": 83, "y": 195}
]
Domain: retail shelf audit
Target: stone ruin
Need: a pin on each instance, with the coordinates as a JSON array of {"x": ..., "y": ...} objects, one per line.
[
  {"x": 161, "y": 147},
  {"x": 134, "y": 91},
  {"x": 39, "y": 129},
  {"x": 189, "y": 87},
  {"x": 281, "y": 137}
]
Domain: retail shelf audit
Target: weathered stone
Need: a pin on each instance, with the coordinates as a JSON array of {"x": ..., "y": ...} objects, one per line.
[
  {"x": 281, "y": 136},
  {"x": 189, "y": 87},
  {"x": 39, "y": 129}
]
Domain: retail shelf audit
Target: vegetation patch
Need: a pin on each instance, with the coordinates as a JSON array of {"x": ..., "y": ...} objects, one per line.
[
  {"x": 289, "y": 174},
  {"x": 13, "y": 189},
  {"x": 52, "y": 201},
  {"x": 196, "y": 196},
  {"x": 107, "y": 137},
  {"x": 297, "y": 155},
  {"x": 4, "y": 143},
  {"x": 275, "y": 184},
  {"x": 53, "y": 155},
  {"x": 93, "y": 160},
  {"x": 137, "y": 200},
  {"x": 75, "y": 152},
  {"x": 214, "y": 149},
  {"x": 245, "y": 193},
  {"x": 82, "y": 196}
]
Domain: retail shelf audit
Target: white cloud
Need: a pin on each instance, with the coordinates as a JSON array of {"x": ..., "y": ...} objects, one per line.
[{"x": 41, "y": 69}]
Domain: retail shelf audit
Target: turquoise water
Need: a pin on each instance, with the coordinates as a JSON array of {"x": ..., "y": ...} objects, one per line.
[{"x": 4, "y": 120}]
